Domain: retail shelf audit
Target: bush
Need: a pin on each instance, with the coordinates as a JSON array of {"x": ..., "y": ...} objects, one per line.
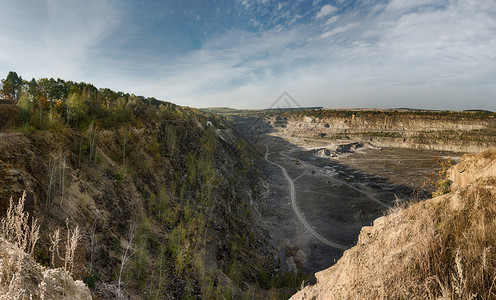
[
  {"x": 91, "y": 279},
  {"x": 443, "y": 183}
]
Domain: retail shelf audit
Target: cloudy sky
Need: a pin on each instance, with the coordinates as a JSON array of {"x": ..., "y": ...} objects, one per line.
[{"x": 435, "y": 54}]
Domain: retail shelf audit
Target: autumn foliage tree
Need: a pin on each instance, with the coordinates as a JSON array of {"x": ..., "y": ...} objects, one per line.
[
  {"x": 49, "y": 103},
  {"x": 11, "y": 86}
]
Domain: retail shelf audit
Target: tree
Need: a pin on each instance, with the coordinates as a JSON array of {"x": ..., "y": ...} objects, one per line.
[
  {"x": 32, "y": 86},
  {"x": 58, "y": 89},
  {"x": 126, "y": 255},
  {"x": 25, "y": 105},
  {"x": 137, "y": 105},
  {"x": 45, "y": 87},
  {"x": 12, "y": 86},
  {"x": 121, "y": 112},
  {"x": 77, "y": 109}
]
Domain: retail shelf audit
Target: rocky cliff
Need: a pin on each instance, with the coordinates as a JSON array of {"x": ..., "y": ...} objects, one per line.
[
  {"x": 442, "y": 248},
  {"x": 174, "y": 189},
  {"x": 450, "y": 131}
]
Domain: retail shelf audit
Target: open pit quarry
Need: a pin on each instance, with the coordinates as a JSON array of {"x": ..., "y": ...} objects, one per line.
[{"x": 332, "y": 177}]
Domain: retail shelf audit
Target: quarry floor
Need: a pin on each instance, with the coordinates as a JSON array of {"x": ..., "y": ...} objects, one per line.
[{"x": 336, "y": 195}]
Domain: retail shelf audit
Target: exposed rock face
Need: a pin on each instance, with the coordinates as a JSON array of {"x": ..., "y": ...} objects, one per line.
[
  {"x": 473, "y": 167},
  {"x": 423, "y": 131},
  {"x": 397, "y": 257},
  {"x": 378, "y": 122},
  {"x": 10, "y": 115},
  {"x": 35, "y": 281}
]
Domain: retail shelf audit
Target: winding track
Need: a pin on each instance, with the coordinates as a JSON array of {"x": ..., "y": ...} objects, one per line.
[
  {"x": 292, "y": 195},
  {"x": 369, "y": 195}
]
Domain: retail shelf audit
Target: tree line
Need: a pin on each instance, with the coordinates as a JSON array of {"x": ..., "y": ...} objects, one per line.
[{"x": 46, "y": 101}]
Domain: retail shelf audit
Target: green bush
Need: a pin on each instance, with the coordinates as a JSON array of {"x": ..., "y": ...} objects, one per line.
[
  {"x": 443, "y": 184},
  {"x": 91, "y": 279}
]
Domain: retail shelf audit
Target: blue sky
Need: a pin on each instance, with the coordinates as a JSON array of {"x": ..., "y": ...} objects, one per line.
[{"x": 245, "y": 53}]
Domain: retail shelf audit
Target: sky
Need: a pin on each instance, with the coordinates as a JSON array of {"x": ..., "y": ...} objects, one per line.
[{"x": 431, "y": 54}]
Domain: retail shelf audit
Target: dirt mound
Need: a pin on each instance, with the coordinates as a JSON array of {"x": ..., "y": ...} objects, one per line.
[
  {"x": 340, "y": 149},
  {"x": 151, "y": 177},
  {"x": 440, "y": 248}
]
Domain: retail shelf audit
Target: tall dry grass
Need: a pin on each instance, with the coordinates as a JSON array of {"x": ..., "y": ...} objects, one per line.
[
  {"x": 23, "y": 234},
  {"x": 16, "y": 227},
  {"x": 452, "y": 252},
  {"x": 11, "y": 286}
]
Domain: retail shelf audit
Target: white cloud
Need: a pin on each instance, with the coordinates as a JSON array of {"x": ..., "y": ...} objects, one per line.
[
  {"x": 245, "y": 3},
  {"x": 440, "y": 58},
  {"x": 337, "y": 30},
  {"x": 56, "y": 37},
  {"x": 325, "y": 11},
  {"x": 331, "y": 20},
  {"x": 396, "y": 55},
  {"x": 405, "y": 5}
]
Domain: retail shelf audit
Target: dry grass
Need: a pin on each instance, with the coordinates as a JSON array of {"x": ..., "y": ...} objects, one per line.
[
  {"x": 11, "y": 286},
  {"x": 23, "y": 235},
  {"x": 489, "y": 154},
  {"x": 442, "y": 248},
  {"x": 451, "y": 250},
  {"x": 18, "y": 271},
  {"x": 17, "y": 229}
]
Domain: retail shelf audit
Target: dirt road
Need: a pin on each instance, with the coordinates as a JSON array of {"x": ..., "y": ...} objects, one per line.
[{"x": 292, "y": 195}]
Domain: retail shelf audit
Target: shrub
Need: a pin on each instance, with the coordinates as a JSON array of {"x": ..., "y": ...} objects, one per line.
[
  {"x": 440, "y": 179},
  {"x": 91, "y": 279}
]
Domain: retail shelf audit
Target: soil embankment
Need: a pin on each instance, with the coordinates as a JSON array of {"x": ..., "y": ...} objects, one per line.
[{"x": 178, "y": 192}]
